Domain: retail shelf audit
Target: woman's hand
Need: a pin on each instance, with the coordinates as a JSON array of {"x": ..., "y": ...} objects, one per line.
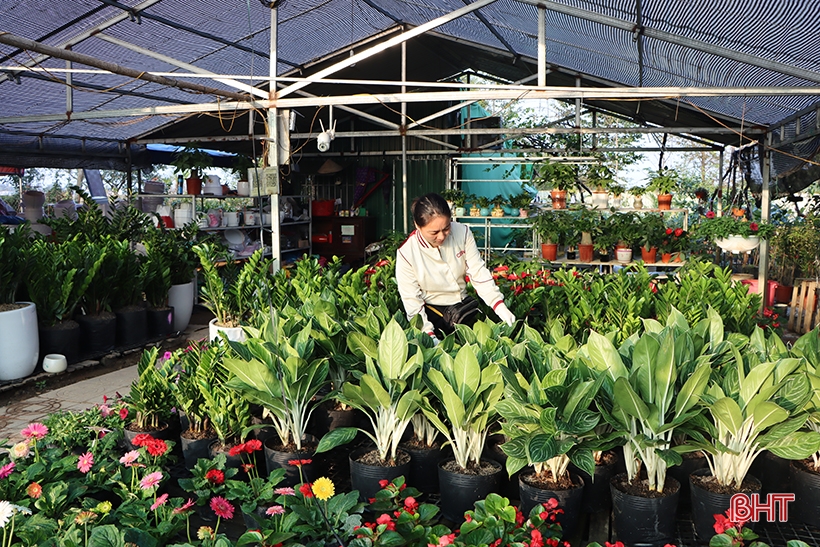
[{"x": 504, "y": 313}]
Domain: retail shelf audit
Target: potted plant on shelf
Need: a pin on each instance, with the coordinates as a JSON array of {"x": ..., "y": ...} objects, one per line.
[
  {"x": 193, "y": 161},
  {"x": 559, "y": 178},
  {"x": 388, "y": 394},
  {"x": 521, "y": 203},
  {"x": 19, "y": 340},
  {"x": 456, "y": 198},
  {"x": 625, "y": 229},
  {"x": 617, "y": 191},
  {"x": 483, "y": 203},
  {"x": 552, "y": 227},
  {"x": 241, "y": 165},
  {"x": 650, "y": 236},
  {"x": 637, "y": 196},
  {"x": 584, "y": 223},
  {"x": 600, "y": 178},
  {"x": 98, "y": 324},
  {"x": 734, "y": 234},
  {"x": 675, "y": 242},
  {"x": 498, "y": 202},
  {"x": 664, "y": 181}
]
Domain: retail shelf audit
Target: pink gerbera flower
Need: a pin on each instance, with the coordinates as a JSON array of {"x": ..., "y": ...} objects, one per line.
[
  {"x": 150, "y": 480},
  {"x": 275, "y": 510},
  {"x": 184, "y": 507},
  {"x": 222, "y": 507},
  {"x": 85, "y": 462},
  {"x": 130, "y": 457},
  {"x": 285, "y": 491},
  {"x": 6, "y": 470},
  {"x": 34, "y": 430},
  {"x": 160, "y": 502}
]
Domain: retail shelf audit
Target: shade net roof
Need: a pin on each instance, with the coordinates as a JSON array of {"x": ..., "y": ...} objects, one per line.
[{"x": 709, "y": 43}]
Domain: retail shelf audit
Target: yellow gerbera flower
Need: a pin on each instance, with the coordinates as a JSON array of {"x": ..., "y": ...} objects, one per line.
[{"x": 323, "y": 488}]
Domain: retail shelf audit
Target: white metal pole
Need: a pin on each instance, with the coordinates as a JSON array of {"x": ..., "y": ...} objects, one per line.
[
  {"x": 404, "y": 139},
  {"x": 542, "y": 47},
  {"x": 765, "y": 213},
  {"x": 273, "y": 145}
]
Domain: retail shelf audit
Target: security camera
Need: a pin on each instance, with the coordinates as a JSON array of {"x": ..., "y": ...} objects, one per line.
[
  {"x": 324, "y": 138},
  {"x": 323, "y": 141}
]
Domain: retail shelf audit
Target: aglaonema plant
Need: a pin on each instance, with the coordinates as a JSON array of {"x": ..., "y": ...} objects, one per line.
[
  {"x": 277, "y": 370},
  {"x": 387, "y": 392},
  {"x": 756, "y": 406},
  {"x": 468, "y": 387},
  {"x": 642, "y": 398}
]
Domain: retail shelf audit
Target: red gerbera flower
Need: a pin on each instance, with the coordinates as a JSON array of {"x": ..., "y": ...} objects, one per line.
[
  {"x": 156, "y": 447},
  {"x": 142, "y": 439},
  {"x": 215, "y": 476},
  {"x": 253, "y": 445},
  {"x": 237, "y": 450},
  {"x": 222, "y": 507},
  {"x": 306, "y": 490}
]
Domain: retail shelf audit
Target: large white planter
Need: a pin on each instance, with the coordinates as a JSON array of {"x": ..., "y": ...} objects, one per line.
[
  {"x": 738, "y": 244},
  {"x": 19, "y": 342},
  {"x": 235, "y": 334},
  {"x": 181, "y": 298},
  {"x": 600, "y": 200}
]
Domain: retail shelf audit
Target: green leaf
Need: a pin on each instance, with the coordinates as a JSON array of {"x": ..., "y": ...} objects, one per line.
[
  {"x": 692, "y": 389},
  {"x": 337, "y": 437},
  {"x": 466, "y": 373},
  {"x": 106, "y": 536},
  {"x": 541, "y": 448},
  {"x": 796, "y": 446},
  {"x": 727, "y": 412},
  {"x": 720, "y": 540},
  {"x": 392, "y": 350},
  {"x": 516, "y": 448},
  {"x": 629, "y": 401},
  {"x": 767, "y": 414}
]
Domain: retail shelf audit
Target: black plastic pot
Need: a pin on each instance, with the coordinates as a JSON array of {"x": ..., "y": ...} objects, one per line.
[
  {"x": 603, "y": 257},
  {"x": 773, "y": 472},
  {"x": 681, "y": 473},
  {"x": 645, "y": 521},
  {"x": 806, "y": 488},
  {"x": 278, "y": 459},
  {"x": 194, "y": 449},
  {"x": 163, "y": 432},
  {"x": 424, "y": 468},
  {"x": 459, "y": 492},
  {"x": 160, "y": 321},
  {"x": 365, "y": 478},
  {"x": 706, "y": 504},
  {"x": 571, "y": 501},
  {"x": 62, "y": 338},
  {"x": 132, "y": 327},
  {"x": 507, "y": 486},
  {"x": 98, "y": 333},
  {"x": 597, "y": 498}
]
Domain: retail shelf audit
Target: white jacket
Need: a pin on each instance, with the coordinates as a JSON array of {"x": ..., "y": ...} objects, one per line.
[{"x": 426, "y": 274}]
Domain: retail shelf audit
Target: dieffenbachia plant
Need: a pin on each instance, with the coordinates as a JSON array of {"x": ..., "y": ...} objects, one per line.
[
  {"x": 642, "y": 397},
  {"x": 277, "y": 370},
  {"x": 387, "y": 392}
]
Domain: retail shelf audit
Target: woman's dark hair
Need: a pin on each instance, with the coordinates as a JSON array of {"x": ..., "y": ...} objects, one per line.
[{"x": 426, "y": 207}]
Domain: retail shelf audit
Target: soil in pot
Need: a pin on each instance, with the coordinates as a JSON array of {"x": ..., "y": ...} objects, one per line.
[
  {"x": 367, "y": 469},
  {"x": 132, "y": 326},
  {"x": 596, "y": 489},
  {"x": 805, "y": 483},
  {"x": 569, "y": 491},
  {"x": 643, "y": 516},
  {"x": 98, "y": 333},
  {"x": 461, "y": 488}
]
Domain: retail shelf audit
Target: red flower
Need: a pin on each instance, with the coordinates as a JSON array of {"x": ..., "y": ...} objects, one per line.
[
  {"x": 410, "y": 504},
  {"x": 710, "y": 214},
  {"x": 551, "y": 503},
  {"x": 299, "y": 463},
  {"x": 215, "y": 476},
  {"x": 519, "y": 517},
  {"x": 142, "y": 439},
  {"x": 501, "y": 268},
  {"x": 679, "y": 232},
  {"x": 722, "y": 524},
  {"x": 383, "y": 483},
  {"x": 384, "y": 519},
  {"x": 123, "y": 413},
  {"x": 537, "y": 539},
  {"x": 253, "y": 445},
  {"x": 246, "y": 467},
  {"x": 382, "y": 262},
  {"x": 222, "y": 507},
  {"x": 306, "y": 490},
  {"x": 156, "y": 447},
  {"x": 669, "y": 231},
  {"x": 753, "y": 226}
]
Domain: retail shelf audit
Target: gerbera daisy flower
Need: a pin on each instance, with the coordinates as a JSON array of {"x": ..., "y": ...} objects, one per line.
[
  {"x": 85, "y": 462},
  {"x": 104, "y": 507},
  {"x": 85, "y": 517},
  {"x": 6, "y": 470},
  {"x": 275, "y": 510},
  {"x": 34, "y": 490},
  {"x": 222, "y": 507},
  {"x": 285, "y": 491},
  {"x": 184, "y": 507},
  {"x": 253, "y": 445},
  {"x": 205, "y": 532},
  {"x": 159, "y": 502},
  {"x": 130, "y": 457},
  {"x": 215, "y": 476},
  {"x": 6, "y": 512},
  {"x": 156, "y": 447},
  {"x": 323, "y": 488},
  {"x": 150, "y": 480},
  {"x": 20, "y": 450},
  {"x": 34, "y": 430}
]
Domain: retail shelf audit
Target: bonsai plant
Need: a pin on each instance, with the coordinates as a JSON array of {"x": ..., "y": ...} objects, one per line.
[
  {"x": 483, "y": 203},
  {"x": 637, "y": 194}
]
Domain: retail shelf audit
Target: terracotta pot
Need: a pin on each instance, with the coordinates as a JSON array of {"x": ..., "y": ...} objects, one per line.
[
  {"x": 193, "y": 186},
  {"x": 585, "y": 253},
  {"x": 666, "y": 258},
  {"x": 559, "y": 199},
  {"x": 549, "y": 251},
  {"x": 664, "y": 202},
  {"x": 649, "y": 256}
]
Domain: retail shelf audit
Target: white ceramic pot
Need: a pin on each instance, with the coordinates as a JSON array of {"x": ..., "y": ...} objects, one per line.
[
  {"x": 600, "y": 200},
  {"x": 33, "y": 199},
  {"x": 235, "y": 334},
  {"x": 250, "y": 219},
  {"x": 231, "y": 218},
  {"x": 181, "y": 298},
  {"x": 19, "y": 342},
  {"x": 738, "y": 244},
  {"x": 54, "y": 363},
  {"x": 623, "y": 255},
  {"x": 66, "y": 208},
  {"x": 182, "y": 216},
  {"x": 243, "y": 188}
]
